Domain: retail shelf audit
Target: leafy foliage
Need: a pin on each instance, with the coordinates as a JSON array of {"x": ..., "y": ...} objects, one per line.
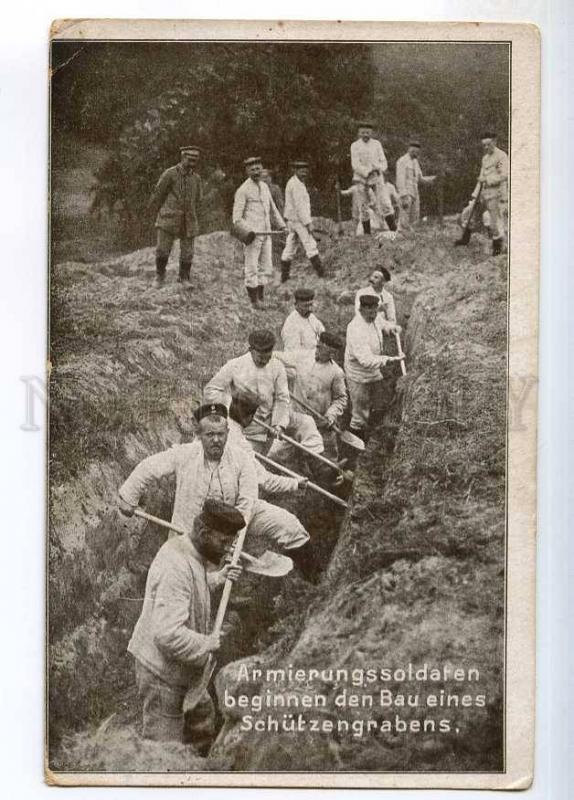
[{"x": 281, "y": 101}]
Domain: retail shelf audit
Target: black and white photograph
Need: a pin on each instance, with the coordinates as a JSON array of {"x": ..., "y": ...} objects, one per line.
[{"x": 293, "y": 290}]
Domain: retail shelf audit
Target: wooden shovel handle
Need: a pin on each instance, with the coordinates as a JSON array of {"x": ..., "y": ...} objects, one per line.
[
  {"x": 298, "y": 445},
  {"x": 401, "y": 353},
  {"x": 315, "y": 487},
  {"x": 234, "y": 561}
]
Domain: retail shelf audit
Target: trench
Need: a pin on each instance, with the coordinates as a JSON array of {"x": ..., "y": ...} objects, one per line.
[{"x": 99, "y": 583}]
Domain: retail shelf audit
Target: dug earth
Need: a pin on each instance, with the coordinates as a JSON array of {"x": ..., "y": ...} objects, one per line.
[{"x": 414, "y": 569}]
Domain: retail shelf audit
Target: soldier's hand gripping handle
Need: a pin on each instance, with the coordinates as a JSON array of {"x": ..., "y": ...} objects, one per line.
[{"x": 125, "y": 509}]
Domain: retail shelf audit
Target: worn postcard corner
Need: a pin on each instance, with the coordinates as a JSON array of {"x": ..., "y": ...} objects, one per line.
[{"x": 293, "y": 404}]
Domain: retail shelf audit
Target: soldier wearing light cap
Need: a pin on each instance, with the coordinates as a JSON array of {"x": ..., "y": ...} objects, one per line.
[
  {"x": 297, "y": 212},
  {"x": 254, "y": 209},
  {"x": 176, "y": 202}
]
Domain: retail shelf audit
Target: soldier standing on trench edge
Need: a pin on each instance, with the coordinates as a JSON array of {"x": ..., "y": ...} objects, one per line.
[
  {"x": 493, "y": 179},
  {"x": 176, "y": 202},
  {"x": 253, "y": 206}
]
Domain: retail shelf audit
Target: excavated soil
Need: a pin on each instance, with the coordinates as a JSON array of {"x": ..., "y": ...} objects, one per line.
[{"x": 414, "y": 572}]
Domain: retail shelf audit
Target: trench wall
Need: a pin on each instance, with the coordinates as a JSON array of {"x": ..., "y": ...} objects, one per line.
[
  {"x": 417, "y": 575},
  {"x": 128, "y": 365}
]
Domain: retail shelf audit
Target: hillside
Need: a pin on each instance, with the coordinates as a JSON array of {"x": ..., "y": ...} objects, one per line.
[{"x": 414, "y": 571}]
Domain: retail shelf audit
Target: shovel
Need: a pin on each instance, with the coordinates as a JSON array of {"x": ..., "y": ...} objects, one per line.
[
  {"x": 195, "y": 693},
  {"x": 287, "y": 471},
  {"x": 269, "y": 563},
  {"x": 401, "y": 354},
  {"x": 272, "y": 564},
  {"x": 340, "y": 229},
  {"x": 466, "y": 230},
  {"x": 299, "y": 446},
  {"x": 345, "y": 436}
]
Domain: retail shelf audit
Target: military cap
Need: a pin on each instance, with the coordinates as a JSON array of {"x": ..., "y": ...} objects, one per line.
[
  {"x": 262, "y": 339},
  {"x": 365, "y": 124},
  {"x": 331, "y": 340},
  {"x": 210, "y": 410},
  {"x": 488, "y": 135},
  {"x": 368, "y": 300},
  {"x": 303, "y": 294},
  {"x": 243, "y": 405},
  {"x": 221, "y": 517},
  {"x": 299, "y": 164},
  {"x": 190, "y": 148},
  {"x": 249, "y": 162},
  {"x": 414, "y": 143}
]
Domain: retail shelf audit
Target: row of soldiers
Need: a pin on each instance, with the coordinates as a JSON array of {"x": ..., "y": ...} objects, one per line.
[
  {"x": 259, "y": 210},
  {"x": 270, "y": 403}
]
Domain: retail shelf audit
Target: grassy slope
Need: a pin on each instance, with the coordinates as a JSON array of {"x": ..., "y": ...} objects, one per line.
[{"x": 127, "y": 361}]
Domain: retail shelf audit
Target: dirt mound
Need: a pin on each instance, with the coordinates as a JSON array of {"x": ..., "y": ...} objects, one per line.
[
  {"x": 110, "y": 750},
  {"x": 129, "y": 363}
]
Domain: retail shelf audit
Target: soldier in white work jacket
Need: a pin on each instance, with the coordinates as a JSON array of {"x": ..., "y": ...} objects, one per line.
[
  {"x": 364, "y": 363},
  {"x": 299, "y": 222},
  {"x": 377, "y": 280},
  {"x": 493, "y": 179},
  {"x": 302, "y": 328},
  {"x": 408, "y": 176},
  {"x": 254, "y": 207},
  {"x": 369, "y": 165}
]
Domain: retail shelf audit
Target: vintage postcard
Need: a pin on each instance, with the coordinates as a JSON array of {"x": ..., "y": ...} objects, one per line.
[{"x": 292, "y": 419}]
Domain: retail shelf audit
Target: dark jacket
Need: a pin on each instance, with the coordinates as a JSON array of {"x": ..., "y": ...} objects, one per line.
[{"x": 177, "y": 202}]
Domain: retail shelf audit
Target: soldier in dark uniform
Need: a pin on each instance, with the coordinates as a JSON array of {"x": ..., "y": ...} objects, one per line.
[{"x": 176, "y": 202}]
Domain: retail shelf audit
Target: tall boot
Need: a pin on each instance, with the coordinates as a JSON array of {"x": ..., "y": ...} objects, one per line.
[
  {"x": 464, "y": 239},
  {"x": 184, "y": 271},
  {"x": 252, "y": 292},
  {"x": 317, "y": 265},
  {"x": 285, "y": 271},
  {"x": 497, "y": 246},
  {"x": 367, "y": 227},
  {"x": 391, "y": 222},
  {"x": 261, "y": 295},
  {"x": 305, "y": 559},
  {"x": 160, "y": 267}
]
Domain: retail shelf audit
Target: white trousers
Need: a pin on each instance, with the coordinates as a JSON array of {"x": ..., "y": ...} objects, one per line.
[
  {"x": 366, "y": 398},
  {"x": 275, "y": 525},
  {"x": 498, "y": 211},
  {"x": 258, "y": 262},
  {"x": 409, "y": 216},
  {"x": 303, "y": 429},
  {"x": 298, "y": 234}
]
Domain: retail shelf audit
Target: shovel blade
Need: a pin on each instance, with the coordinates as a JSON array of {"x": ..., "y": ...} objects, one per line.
[
  {"x": 351, "y": 440},
  {"x": 272, "y": 564}
]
